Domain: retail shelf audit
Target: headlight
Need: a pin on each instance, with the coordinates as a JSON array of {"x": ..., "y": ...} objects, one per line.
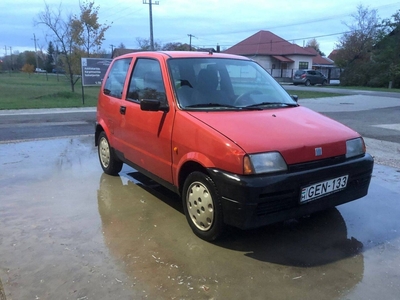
[
  {"x": 264, "y": 163},
  {"x": 355, "y": 147}
]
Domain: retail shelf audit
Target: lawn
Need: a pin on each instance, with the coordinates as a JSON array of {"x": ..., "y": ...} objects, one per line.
[
  {"x": 313, "y": 94},
  {"x": 38, "y": 90}
]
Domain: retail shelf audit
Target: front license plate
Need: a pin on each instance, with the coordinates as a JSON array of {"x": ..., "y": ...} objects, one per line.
[{"x": 323, "y": 188}]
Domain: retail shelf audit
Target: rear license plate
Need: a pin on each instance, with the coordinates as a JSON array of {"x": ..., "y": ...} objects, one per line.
[{"x": 323, "y": 188}]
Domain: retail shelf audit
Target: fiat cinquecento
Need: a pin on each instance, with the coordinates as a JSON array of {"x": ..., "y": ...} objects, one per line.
[{"x": 219, "y": 131}]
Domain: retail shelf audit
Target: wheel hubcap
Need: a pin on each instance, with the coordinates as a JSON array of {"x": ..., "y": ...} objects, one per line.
[
  {"x": 104, "y": 151},
  {"x": 200, "y": 206}
]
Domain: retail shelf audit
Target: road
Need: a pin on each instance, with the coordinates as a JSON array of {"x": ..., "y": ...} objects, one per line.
[{"x": 31, "y": 124}]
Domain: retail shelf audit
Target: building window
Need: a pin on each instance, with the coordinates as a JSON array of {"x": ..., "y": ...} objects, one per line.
[{"x": 303, "y": 65}]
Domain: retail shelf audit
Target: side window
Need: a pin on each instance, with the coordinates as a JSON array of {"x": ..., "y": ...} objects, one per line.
[
  {"x": 146, "y": 81},
  {"x": 116, "y": 77}
]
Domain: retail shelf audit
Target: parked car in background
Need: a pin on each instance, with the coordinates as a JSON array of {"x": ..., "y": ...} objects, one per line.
[
  {"x": 309, "y": 77},
  {"x": 39, "y": 70},
  {"x": 219, "y": 131},
  {"x": 58, "y": 71}
]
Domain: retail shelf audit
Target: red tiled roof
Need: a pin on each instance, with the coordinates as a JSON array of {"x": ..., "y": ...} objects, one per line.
[
  {"x": 266, "y": 43},
  {"x": 318, "y": 59},
  {"x": 282, "y": 58},
  {"x": 333, "y": 54}
]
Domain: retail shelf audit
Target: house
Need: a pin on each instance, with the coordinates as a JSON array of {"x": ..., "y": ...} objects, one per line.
[{"x": 278, "y": 56}]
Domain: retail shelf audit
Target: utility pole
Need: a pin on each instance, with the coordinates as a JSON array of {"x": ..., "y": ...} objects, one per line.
[
  {"x": 150, "y": 3},
  {"x": 11, "y": 59},
  {"x": 190, "y": 41},
  {"x": 112, "y": 49},
  {"x": 37, "y": 62},
  {"x": 5, "y": 57}
]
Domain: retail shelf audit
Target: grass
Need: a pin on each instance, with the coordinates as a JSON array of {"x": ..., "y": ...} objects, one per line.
[
  {"x": 311, "y": 94},
  {"x": 365, "y": 88},
  {"x": 21, "y": 90}
]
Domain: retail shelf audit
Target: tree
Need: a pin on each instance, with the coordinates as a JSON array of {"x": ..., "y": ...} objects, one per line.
[
  {"x": 65, "y": 31},
  {"x": 27, "y": 68},
  {"x": 49, "y": 63},
  {"x": 86, "y": 30},
  {"x": 144, "y": 44},
  {"x": 121, "y": 46},
  {"x": 61, "y": 31},
  {"x": 314, "y": 44},
  {"x": 176, "y": 47},
  {"x": 385, "y": 55},
  {"x": 355, "y": 46}
]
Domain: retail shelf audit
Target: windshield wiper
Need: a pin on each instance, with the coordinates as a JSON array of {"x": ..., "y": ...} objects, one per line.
[
  {"x": 200, "y": 105},
  {"x": 219, "y": 105},
  {"x": 270, "y": 103}
]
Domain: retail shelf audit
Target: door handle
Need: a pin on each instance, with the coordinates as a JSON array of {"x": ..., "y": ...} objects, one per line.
[{"x": 122, "y": 110}]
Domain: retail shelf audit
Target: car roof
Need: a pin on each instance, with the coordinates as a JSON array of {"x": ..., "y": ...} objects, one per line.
[{"x": 182, "y": 54}]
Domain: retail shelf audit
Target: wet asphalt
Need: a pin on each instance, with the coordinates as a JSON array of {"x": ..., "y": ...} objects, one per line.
[{"x": 68, "y": 231}]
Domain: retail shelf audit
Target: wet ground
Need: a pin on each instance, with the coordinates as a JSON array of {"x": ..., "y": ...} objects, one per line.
[{"x": 68, "y": 231}]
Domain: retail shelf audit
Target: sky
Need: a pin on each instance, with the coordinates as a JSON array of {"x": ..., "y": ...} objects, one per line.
[{"x": 210, "y": 22}]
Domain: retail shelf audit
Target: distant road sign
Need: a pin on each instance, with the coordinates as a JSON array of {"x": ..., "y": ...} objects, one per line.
[{"x": 93, "y": 70}]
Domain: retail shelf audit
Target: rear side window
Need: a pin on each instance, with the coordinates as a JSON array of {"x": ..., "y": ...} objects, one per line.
[
  {"x": 299, "y": 72},
  {"x": 116, "y": 78}
]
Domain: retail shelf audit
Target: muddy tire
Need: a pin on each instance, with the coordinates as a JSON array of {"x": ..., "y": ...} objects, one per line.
[
  {"x": 202, "y": 206},
  {"x": 110, "y": 164}
]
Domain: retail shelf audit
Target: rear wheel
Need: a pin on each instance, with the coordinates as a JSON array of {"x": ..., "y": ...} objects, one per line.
[
  {"x": 110, "y": 164},
  {"x": 307, "y": 83},
  {"x": 325, "y": 82},
  {"x": 202, "y": 206}
]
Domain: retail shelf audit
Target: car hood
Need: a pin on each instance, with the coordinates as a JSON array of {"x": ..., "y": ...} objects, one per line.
[{"x": 295, "y": 132}]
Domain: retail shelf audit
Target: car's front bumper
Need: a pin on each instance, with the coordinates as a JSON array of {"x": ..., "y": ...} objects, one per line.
[{"x": 253, "y": 201}]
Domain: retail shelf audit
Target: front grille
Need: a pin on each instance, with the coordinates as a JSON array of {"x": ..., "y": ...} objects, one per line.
[{"x": 317, "y": 164}]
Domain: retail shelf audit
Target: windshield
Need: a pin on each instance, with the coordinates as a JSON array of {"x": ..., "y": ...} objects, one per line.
[{"x": 219, "y": 83}]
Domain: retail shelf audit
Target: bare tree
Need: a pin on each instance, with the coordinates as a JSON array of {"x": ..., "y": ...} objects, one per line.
[
  {"x": 74, "y": 36},
  {"x": 356, "y": 44},
  {"x": 144, "y": 44},
  {"x": 60, "y": 28}
]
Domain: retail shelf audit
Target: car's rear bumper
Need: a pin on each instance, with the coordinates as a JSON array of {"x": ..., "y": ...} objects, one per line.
[
  {"x": 253, "y": 201},
  {"x": 298, "y": 80}
]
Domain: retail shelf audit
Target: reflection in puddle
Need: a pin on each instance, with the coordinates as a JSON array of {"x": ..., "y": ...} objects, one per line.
[{"x": 146, "y": 232}]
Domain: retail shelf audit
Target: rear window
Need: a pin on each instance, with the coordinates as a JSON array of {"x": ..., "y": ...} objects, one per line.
[{"x": 299, "y": 72}]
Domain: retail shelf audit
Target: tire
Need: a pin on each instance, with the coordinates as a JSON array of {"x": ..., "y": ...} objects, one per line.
[
  {"x": 202, "y": 206},
  {"x": 325, "y": 82},
  {"x": 110, "y": 164},
  {"x": 307, "y": 83}
]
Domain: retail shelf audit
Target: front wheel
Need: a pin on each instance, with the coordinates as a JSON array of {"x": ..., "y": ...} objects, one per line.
[
  {"x": 110, "y": 164},
  {"x": 202, "y": 206}
]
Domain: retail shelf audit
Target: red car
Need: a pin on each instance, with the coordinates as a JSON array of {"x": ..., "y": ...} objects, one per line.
[{"x": 221, "y": 132}]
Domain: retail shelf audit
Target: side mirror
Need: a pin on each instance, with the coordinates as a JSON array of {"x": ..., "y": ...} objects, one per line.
[
  {"x": 295, "y": 97},
  {"x": 153, "y": 105}
]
